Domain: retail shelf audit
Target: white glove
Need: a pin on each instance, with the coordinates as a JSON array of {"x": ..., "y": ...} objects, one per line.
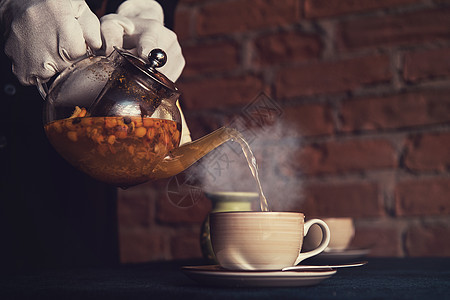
[
  {"x": 138, "y": 26},
  {"x": 46, "y": 36}
]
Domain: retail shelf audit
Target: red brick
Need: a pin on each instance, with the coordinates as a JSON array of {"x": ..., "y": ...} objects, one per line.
[
  {"x": 423, "y": 197},
  {"x": 200, "y": 125},
  {"x": 408, "y": 28},
  {"x": 303, "y": 161},
  {"x": 287, "y": 47},
  {"x": 141, "y": 245},
  {"x": 428, "y": 152},
  {"x": 220, "y": 92},
  {"x": 206, "y": 58},
  {"x": 308, "y": 119},
  {"x": 427, "y": 64},
  {"x": 358, "y": 199},
  {"x": 382, "y": 238},
  {"x": 331, "y": 77},
  {"x": 328, "y": 8},
  {"x": 396, "y": 111},
  {"x": 343, "y": 157},
  {"x": 428, "y": 239},
  {"x": 359, "y": 155},
  {"x": 182, "y": 24},
  {"x": 242, "y": 15}
]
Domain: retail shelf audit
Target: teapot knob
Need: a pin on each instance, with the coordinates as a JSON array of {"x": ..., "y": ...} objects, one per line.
[{"x": 157, "y": 58}]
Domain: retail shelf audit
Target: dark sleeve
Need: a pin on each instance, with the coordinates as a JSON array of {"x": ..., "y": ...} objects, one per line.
[{"x": 51, "y": 214}]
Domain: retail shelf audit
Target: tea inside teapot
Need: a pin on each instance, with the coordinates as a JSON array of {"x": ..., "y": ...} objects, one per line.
[
  {"x": 122, "y": 151},
  {"x": 119, "y": 135}
]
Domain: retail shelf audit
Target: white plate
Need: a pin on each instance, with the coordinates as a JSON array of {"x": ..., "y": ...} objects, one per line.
[
  {"x": 342, "y": 255},
  {"x": 217, "y": 276}
]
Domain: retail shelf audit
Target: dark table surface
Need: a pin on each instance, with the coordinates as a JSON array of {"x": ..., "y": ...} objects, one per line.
[{"x": 381, "y": 278}]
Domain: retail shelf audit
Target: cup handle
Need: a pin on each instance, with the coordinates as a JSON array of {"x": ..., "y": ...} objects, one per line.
[{"x": 323, "y": 243}]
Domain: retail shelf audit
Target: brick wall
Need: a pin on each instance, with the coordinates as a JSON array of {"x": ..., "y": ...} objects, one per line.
[{"x": 358, "y": 125}]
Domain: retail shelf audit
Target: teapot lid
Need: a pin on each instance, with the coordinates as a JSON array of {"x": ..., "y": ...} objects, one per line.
[{"x": 157, "y": 58}]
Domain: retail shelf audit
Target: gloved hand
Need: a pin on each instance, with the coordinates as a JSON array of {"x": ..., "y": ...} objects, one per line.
[
  {"x": 46, "y": 36},
  {"x": 138, "y": 26}
]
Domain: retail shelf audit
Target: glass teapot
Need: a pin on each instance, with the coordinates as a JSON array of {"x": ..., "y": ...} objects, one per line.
[{"x": 116, "y": 119}]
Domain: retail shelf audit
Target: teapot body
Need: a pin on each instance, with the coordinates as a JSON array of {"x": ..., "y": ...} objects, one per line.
[{"x": 111, "y": 119}]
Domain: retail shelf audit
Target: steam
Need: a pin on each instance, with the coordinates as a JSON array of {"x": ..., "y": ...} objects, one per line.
[{"x": 274, "y": 145}]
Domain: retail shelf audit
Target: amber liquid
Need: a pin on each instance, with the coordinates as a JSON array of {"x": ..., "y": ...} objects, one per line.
[{"x": 121, "y": 151}]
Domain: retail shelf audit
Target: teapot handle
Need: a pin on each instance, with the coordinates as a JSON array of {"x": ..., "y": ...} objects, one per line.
[{"x": 42, "y": 86}]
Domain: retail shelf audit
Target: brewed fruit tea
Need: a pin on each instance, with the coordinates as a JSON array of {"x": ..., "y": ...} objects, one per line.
[{"x": 121, "y": 151}]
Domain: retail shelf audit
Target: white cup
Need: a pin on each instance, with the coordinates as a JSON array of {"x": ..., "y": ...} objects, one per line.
[
  {"x": 262, "y": 240},
  {"x": 342, "y": 232}
]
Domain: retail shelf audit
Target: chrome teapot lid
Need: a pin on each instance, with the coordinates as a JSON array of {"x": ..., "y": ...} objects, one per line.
[{"x": 157, "y": 58}]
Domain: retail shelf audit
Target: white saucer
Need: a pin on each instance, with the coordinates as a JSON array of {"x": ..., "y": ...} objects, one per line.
[
  {"x": 342, "y": 255},
  {"x": 217, "y": 276}
]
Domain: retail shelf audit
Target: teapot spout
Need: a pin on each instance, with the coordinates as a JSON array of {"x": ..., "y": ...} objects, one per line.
[{"x": 183, "y": 157}]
